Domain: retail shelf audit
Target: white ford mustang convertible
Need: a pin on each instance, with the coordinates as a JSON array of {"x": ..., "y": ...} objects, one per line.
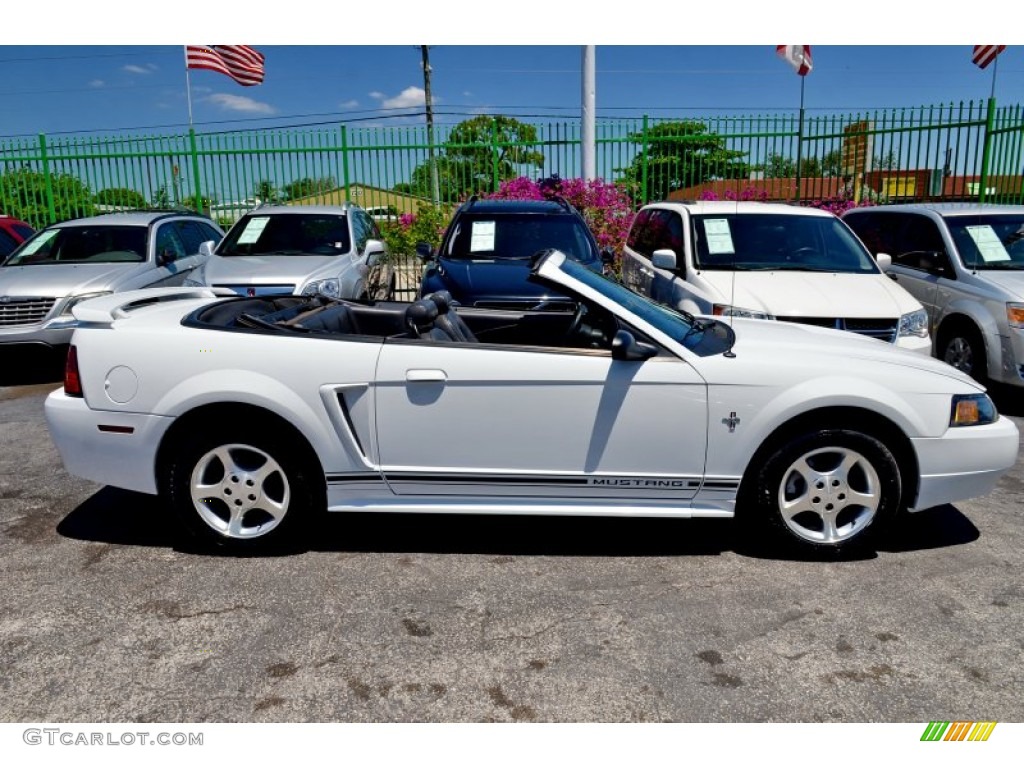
[{"x": 251, "y": 416}]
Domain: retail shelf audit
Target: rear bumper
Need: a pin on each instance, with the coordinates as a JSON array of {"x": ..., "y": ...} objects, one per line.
[
  {"x": 964, "y": 463},
  {"x": 98, "y": 446}
]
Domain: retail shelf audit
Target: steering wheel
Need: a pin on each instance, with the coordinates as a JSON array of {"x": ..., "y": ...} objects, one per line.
[
  {"x": 577, "y": 320},
  {"x": 807, "y": 250}
]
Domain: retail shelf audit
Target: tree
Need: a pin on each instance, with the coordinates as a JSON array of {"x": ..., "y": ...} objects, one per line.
[
  {"x": 121, "y": 197},
  {"x": 781, "y": 167},
  {"x": 680, "y": 153},
  {"x": 307, "y": 187},
  {"x": 886, "y": 162},
  {"x": 468, "y": 159},
  {"x": 266, "y": 192},
  {"x": 24, "y": 195},
  {"x": 161, "y": 197}
]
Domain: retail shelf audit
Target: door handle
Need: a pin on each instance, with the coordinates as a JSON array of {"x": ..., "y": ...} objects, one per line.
[{"x": 425, "y": 375}]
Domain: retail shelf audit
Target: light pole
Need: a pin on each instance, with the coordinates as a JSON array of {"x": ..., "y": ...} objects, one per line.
[{"x": 435, "y": 186}]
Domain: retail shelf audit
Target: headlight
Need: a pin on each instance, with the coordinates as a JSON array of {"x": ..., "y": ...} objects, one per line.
[
  {"x": 914, "y": 324},
  {"x": 331, "y": 288},
  {"x": 731, "y": 311},
  {"x": 65, "y": 319},
  {"x": 972, "y": 410},
  {"x": 1015, "y": 315}
]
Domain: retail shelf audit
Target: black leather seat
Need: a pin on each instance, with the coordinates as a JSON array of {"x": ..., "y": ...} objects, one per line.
[
  {"x": 448, "y": 318},
  {"x": 336, "y": 319},
  {"x": 420, "y": 318}
]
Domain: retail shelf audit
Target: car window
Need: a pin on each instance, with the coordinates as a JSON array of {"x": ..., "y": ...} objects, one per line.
[
  {"x": 989, "y": 241},
  {"x": 487, "y": 236},
  {"x": 209, "y": 233},
  {"x": 360, "y": 229},
  {"x": 168, "y": 241},
  {"x": 917, "y": 244},
  {"x": 192, "y": 233},
  {"x": 876, "y": 230},
  {"x": 639, "y": 238},
  {"x": 287, "y": 234},
  {"x": 95, "y": 244},
  {"x": 790, "y": 241}
]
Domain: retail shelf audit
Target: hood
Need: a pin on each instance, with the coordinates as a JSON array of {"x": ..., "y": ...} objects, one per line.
[
  {"x": 472, "y": 281},
  {"x": 1011, "y": 282},
  {"x": 840, "y": 350},
  {"x": 59, "y": 280},
  {"x": 812, "y": 294},
  {"x": 234, "y": 270}
]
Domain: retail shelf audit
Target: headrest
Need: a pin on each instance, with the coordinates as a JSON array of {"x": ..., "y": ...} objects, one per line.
[
  {"x": 443, "y": 300},
  {"x": 421, "y": 313}
]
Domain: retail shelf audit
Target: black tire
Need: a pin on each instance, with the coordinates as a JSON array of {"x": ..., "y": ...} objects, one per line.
[
  {"x": 964, "y": 349},
  {"x": 805, "y": 495},
  {"x": 262, "y": 492}
]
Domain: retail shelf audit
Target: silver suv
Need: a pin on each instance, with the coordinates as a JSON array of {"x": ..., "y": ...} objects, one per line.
[
  {"x": 965, "y": 263},
  {"x": 66, "y": 263},
  {"x": 334, "y": 251}
]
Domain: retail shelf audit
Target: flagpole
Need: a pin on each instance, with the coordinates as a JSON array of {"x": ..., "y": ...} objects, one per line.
[
  {"x": 995, "y": 68},
  {"x": 188, "y": 85},
  {"x": 800, "y": 136}
]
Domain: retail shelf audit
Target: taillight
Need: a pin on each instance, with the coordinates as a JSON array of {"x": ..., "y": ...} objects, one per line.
[{"x": 72, "y": 381}]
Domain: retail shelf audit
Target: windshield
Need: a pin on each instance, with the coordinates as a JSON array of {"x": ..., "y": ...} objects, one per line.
[
  {"x": 288, "y": 234},
  {"x": 701, "y": 335},
  {"x": 762, "y": 241},
  {"x": 486, "y": 237},
  {"x": 96, "y": 244},
  {"x": 989, "y": 241}
]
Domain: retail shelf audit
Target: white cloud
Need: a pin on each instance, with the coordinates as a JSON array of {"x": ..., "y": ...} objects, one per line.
[
  {"x": 135, "y": 69},
  {"x": 350, "y": 104},
  {"x": 233, "y": 103},
  {"x": 96, "y": 83},
  {"x": 410, "y": 97}
]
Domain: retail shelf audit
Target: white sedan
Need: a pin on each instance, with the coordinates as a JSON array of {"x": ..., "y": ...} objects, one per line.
[{"x": 252, "y": 416}]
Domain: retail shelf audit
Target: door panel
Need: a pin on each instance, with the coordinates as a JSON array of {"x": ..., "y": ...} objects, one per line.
[{"x": 490, "y": 421}]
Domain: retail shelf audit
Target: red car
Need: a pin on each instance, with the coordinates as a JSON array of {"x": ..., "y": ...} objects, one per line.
[{"x": 12, "y": 234}]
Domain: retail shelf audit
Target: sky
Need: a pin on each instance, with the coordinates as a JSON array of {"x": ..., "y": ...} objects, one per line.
[{"x": 329, "y": 64}]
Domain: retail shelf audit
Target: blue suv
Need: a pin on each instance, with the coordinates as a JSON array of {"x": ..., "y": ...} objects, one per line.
[{"x": 484, "y": 258}]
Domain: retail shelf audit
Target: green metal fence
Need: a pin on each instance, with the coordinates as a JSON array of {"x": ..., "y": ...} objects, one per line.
[{"x": 969, "y": 151}]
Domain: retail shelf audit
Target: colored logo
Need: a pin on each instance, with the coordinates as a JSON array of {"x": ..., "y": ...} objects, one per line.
[{"x": 958, "y": 731}]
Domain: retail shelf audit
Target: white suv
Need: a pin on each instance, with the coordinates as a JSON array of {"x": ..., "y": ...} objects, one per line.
[
  {"x": 965, "y": 263},
  {"x": 770, "y": 261}
]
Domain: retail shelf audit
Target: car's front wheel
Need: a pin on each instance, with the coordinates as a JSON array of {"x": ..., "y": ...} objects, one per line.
[
  {"x": 241, "y": 489},
  {"x": 827, "y": 492},
  {"x": 963, "y": 348}
]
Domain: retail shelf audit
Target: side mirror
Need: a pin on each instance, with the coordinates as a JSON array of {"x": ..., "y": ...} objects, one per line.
[
  {"x": 374, "y": 251},
  {"x": 425, "y": 251},
  {"x": 664, "y": 258},
  {"x": 206, "y": 249},
  {"x": 626, "y": 347},
  {"x": 884, "y": 261}
]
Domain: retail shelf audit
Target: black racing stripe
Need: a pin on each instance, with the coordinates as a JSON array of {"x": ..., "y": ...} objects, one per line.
[
  {"x": 355, "y": 477},
  {"x": 467, "y": 479}
]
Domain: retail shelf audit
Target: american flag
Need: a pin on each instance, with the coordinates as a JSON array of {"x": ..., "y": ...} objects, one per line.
[
  {"x": 986, "y": 54},
  {"x": 798, "y": 56},
  {"x": 241, "y": 63}
]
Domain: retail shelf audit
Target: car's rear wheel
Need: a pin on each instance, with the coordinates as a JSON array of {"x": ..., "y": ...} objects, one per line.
[
  {"x": 241, "y": 488},
  {"x": 963, "y": 348},
  {"x": 828, "y": 492}
]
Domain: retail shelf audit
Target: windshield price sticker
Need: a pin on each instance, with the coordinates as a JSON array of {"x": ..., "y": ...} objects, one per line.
[
  {"x": 253, "y": 230},
  {"x": 38, "y": 243},
  {"x": 989, "y": 245},
  {"x": 719, "y": 236},
  {"x": 482, "y": 236}
]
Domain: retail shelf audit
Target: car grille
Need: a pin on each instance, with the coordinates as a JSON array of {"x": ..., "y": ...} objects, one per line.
[
  {"x": 259, "y": 290},
  {"x": 24, "y": 311},
  {"x": 883, "y": 328}
]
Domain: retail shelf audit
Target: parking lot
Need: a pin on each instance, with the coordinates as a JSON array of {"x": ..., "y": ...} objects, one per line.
[{"x": 108, "y": 616}]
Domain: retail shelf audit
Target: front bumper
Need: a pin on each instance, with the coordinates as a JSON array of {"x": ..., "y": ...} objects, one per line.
[
  {"x": 966, "y": 462},
  {"x": 37, "y": 335},
  {"x": 118, "y": 458},
  {"x": 915, "y": 344}
]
